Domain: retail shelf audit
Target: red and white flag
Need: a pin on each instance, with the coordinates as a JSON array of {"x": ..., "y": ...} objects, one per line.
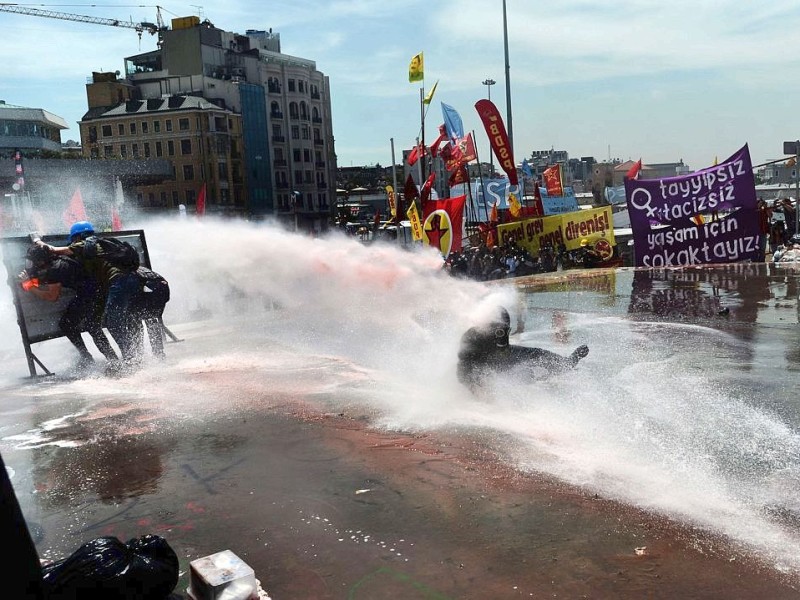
[
  {"x": 75, "y": 210},
  {"x": 116, "y": 222},
  {"x": 201, "y": 201},
  {"x": 633, "y": 172}
]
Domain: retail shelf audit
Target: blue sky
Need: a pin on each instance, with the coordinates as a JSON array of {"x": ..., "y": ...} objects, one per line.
[{"x": 664, "y": 81}]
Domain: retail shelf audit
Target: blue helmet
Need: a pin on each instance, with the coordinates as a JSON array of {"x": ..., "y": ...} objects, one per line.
[{"x": 80, "y": 229}]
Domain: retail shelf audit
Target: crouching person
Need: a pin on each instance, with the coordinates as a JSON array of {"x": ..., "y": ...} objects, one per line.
[
  {"x": 44, "y": 277},
  {"x": 149, "y": 305}
]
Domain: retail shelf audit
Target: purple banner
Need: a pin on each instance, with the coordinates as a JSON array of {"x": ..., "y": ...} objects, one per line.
[{"x": 709, "y": 216}]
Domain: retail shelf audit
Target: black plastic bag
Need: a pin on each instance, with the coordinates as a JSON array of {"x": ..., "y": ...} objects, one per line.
[{"x": 106, "y": 569}]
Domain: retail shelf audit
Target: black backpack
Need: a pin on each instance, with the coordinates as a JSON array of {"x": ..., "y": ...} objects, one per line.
[{"x": 118, "y": 253}]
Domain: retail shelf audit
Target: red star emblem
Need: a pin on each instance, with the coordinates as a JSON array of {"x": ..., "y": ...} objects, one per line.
[{"x": 436, "y": 232}]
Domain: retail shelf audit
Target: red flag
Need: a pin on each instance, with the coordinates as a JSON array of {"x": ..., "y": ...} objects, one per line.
[
  {"x": 498, "y": 138},
  {"x": 443, "y": 221},
  {"x": 490, "y": 238},
  {"x": 459, "y": 153},
  {"x": 460, "y": 175},
  {"x": 75, "y": 211},
  {"x": 416, "y": 153},
  {"x": 442, "y": 137},
  {"x": 116, "y": 222},
  {"x": 552, "y": 180},
  {"x": 201, "y": 201},
  {"x": 633, "y": 172},
  {"x": 410, "y": 190},
  {"x": 538, "y": 205},
  {"x": 425, "y": 192},
  {"x": 493, "y": 216}
]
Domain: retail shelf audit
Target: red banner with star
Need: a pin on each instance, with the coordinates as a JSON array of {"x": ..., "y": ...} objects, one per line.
[
  {"x": 552, "y": 181},
  {"x": 442, "y": 224}
]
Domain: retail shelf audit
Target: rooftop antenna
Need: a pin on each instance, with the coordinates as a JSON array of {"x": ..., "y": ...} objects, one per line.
[{"x": 199, "y": 11}]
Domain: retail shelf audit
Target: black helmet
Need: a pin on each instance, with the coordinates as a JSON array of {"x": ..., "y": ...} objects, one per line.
[
  {"x": 795, "y": 239},
  {"x": 501, "y": 326}
]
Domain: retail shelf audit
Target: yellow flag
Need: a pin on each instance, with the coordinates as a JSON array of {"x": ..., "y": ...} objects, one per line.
[
  {"x": 429, "y": 95},
  {"x": 416, "y": 224},
  {"x": 390, "y": 198},
  {"x": 416, "y": 70},
  {"x": 514, "y": 207}
]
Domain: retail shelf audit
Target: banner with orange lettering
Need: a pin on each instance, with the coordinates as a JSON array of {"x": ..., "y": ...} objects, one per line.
[{"x": 498, "y": 138}]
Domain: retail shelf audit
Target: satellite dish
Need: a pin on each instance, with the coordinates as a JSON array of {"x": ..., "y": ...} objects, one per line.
[
  {"x": 116, "y": 72},
  {"x": 16, "y": 187}
]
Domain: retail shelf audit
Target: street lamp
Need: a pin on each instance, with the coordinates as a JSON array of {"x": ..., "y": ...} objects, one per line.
[{"x": 488, "y": 82}]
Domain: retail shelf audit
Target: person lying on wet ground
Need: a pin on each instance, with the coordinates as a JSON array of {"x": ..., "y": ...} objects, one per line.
[{"x": 486, "y": 350}]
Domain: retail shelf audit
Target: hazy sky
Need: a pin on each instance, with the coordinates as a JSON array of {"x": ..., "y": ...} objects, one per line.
[{"x": 664, "y": 81}]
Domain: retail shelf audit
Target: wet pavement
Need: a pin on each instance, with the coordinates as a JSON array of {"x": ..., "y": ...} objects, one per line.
[{"x": 324, "y": 504}]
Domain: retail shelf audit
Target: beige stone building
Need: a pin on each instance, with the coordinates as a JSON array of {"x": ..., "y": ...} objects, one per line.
[{"x": 202, "y": 141}]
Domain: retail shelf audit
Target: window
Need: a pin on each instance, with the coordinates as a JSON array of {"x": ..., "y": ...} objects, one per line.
[
  {"x": 296, "y": 155},
  {"x": 145, "y": 127},
  {"x": 171, "y": 147},
  {"x": 291, "y": 85},
  {"x": 298, "y": 177},
  {"x": 183, "y": 124},
  {"x": 175, "y": 197},
  {"x": 163, "y": 197},
  {"x": 168, "y": 124},
  {"x": 186, "y": 147},
  {"x": 133, "y": 128},
  {"x": 106, "y": 130},
  {"x": 295, "y": 132},
  {"x": 301, "y": 86},
  {"x": 306, "y": 132},
  {"x": 189, "y": 196},
  {"x": 222, "y": 168},
  {"x": 309, "y": 177},
  {"x": 147, "y": 149},
  {"x": 276, "y": 130},
  {"x": 120, "y": 129},
  {"x": 123, "y": 151},
  {"x": 157, "y": 129},
  {"x": 188, "y": 172},
  {"x": 159, "y": 148},
  {"x": 306, "y": 155},
  {"x": 136, "y": 151},
  {"x": 108, "y": 151}
]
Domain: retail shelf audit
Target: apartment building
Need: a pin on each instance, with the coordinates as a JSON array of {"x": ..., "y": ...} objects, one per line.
[
  {"x": 288, "y": 157},
  {"x": 202, "y": 142}
]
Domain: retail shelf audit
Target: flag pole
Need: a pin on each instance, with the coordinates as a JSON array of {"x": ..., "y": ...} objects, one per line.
[
  {"x": 508, "y": 81},
  {"x": 397, "y": 216},
  {"x": 422, "y": 131},
  {"x": 480, "y": 176}
]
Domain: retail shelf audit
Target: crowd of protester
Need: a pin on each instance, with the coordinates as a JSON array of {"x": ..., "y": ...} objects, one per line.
[{"x": 483, "y": 263}]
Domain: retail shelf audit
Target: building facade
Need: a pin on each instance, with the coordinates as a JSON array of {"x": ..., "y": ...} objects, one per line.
[
  {"x": 288, "y": 157},
  {"x": 202, "y": 141},
  {"x": 30, "y": 130}
]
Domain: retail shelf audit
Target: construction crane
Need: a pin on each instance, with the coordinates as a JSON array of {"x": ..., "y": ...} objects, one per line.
[{"x": 151, "y": 28}]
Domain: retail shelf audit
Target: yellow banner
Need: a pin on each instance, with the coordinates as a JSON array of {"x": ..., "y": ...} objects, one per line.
[
  {"x": 591, "y": 227},
  {"x": 416, "y": 223},
  {"x": 390, "y": 197}
]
